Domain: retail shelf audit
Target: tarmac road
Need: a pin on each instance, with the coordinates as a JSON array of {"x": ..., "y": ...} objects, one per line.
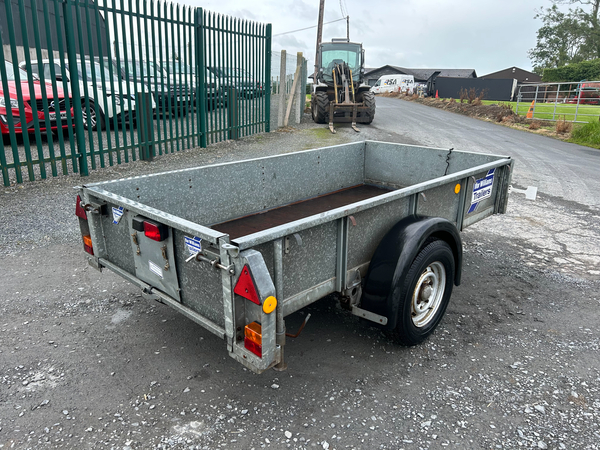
[
  {"x": 557, "y": 168},
  {"x": 88, "y": 364}
]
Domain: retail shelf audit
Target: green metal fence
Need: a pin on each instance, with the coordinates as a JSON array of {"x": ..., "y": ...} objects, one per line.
[{"x": 111, "y": 81}]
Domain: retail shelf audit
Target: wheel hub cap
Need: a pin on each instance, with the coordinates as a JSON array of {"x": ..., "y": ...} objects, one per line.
[{"x": 428, "y": 294}]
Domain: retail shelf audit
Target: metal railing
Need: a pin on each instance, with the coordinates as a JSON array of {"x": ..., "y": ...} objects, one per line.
[
  {"x": 110, "y": 81},
  {"x": 573, "y": 102}
]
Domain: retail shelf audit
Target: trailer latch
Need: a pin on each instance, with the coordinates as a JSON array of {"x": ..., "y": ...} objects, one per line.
[
  {"x": 213, "y": 262},
  {"x": 94, "y": 208}
]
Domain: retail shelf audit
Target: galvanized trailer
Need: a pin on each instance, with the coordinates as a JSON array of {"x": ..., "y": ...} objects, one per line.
[{"x": 237, "y": 247}]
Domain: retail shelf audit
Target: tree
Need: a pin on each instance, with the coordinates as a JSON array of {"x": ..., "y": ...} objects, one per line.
[
  {"x": 564, "y": 38},
  {"x": 591, "y": 19}
]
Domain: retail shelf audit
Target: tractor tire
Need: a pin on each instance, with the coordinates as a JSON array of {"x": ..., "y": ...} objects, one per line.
[
  {"x": 320, "y": 107},
  {"x": 369, "y": 100}
]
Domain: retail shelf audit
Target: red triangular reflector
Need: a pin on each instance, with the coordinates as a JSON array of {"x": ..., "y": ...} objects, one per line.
[{"x": 245, "y": 286}]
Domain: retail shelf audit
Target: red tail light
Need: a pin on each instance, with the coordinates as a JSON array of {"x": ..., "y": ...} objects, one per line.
[
  {"x": 155, "y": 231},
  {"x": 152, "y": 230},
  {"x": 79, "y": 210},
  {"x": 245, "y": 286}
]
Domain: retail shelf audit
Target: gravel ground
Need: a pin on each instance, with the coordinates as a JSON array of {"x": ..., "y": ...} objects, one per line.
[{"x": 87, "y": 363}]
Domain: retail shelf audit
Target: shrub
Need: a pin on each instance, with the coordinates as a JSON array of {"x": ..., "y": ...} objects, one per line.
[
  {"x": 463, "y": 95},
  {"x": 585, "y": 70},
  {"x": 562, "y": 126},
  {"x": 535, "y": 125}
]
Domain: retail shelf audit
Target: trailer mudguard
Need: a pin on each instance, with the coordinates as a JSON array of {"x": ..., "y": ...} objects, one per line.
[{"x": 394, "y": 256}]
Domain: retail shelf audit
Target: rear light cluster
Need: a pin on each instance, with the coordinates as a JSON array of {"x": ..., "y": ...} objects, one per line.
[
  {"x": 87, "y": 239},
  {"x": 152, "y": 230},
  {"x": 79, "y": 209},
  {"x": 253, "y": 338},
  {"x": 246, "y": 288}
]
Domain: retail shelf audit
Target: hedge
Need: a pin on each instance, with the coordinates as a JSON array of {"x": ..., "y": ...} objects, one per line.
[{"x": 585, "y": 70}]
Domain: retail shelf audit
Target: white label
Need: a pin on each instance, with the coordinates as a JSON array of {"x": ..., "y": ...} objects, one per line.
[
  {"x": 117, "y": 214},
  {"x": 193, "y": 244},
  {"x": 155, "y": 269}
]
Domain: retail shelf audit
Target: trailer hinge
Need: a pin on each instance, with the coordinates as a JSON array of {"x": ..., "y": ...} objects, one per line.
[{"x": 213, "y": 262}]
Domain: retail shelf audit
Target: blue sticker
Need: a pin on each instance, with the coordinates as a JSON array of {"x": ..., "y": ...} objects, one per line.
[
  {"x": 117, "y": 214},
  {"x": 482, "y": 189},
  {"x": 193, "y": 244}
]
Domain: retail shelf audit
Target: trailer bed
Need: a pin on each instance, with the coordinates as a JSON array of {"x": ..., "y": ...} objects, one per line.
[
  {"x": 274, "y": 217},
  {"x": 239, "y": 246}
]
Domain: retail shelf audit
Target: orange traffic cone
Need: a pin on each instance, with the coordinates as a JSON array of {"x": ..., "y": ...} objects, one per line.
[
  {"x": 530, "y": 112},
  {"x": 436, "y": 94}
]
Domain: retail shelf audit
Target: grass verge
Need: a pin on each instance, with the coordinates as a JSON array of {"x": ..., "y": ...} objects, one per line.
[
  {"x": 558, "y": 111},
  {"x": 587, "y": 134}
]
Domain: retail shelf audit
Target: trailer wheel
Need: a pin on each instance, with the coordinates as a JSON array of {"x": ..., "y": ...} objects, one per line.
[
  {"x": 369, "y": 100},
  {"x": 320, "y": 107},
  {"x": 425, "y": 293}
]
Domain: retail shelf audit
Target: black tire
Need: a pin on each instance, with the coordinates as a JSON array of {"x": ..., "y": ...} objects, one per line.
[
  {"x": 369, "y": 100},
  {"x": 320, "y": 107},
  {"x": 424, "y": 293},
  {"x": 96, "y": 118}
]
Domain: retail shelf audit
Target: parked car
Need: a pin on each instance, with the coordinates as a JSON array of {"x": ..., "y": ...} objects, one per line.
[
  {"x": 55, "y": 105},
  {"x": 215, "y": 94},
  {"x": 170, "y": 93},
  {"x": 99, "y": 114},
  {"x": 239, "y": 79},
  {"x": 586, "y": 94}
]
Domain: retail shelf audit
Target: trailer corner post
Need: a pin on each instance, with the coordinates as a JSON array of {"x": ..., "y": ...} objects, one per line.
[
  {"x": 278, "y": 266},
  {"x": 228, "y": 300}
]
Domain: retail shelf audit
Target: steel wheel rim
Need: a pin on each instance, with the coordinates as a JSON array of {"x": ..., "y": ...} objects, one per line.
[{"x": 428, "y": 294}]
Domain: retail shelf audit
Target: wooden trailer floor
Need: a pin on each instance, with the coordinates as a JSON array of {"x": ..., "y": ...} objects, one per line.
[{"x": 270, "y": 218}]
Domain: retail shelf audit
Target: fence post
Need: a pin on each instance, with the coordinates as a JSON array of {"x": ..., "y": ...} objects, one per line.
[
  {"x": 143, "y": 102},
  {"x": 282, "y": 72},
  {"x": 268, "y": 80},
  {"x": 556, "y": 101},
  {"x": 535, "y": 102},
  {"x": 578, "y": 99},
  {"x": 232, "y": 113},
  {"x": 201, "y": 104},
  {"x": 299, "y": 95},
  {"x": 76, "y": 94}
]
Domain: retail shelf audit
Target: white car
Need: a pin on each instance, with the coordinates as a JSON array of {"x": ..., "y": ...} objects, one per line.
[{"x": 101, "y": 112}]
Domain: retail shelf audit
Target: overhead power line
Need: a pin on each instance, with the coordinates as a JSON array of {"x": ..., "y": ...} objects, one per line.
[{"x": 308, "y": 28}]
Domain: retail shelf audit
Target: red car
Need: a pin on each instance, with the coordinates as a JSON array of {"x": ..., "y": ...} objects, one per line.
[{"x": 54, "y": 105}]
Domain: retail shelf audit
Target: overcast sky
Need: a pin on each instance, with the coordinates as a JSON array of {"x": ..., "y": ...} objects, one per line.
[{"x": 485, "y": 35}]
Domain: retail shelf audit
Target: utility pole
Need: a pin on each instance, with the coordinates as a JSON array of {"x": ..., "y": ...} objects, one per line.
[
  {"x": 319, "y": 36},
  {"x": 348, "y": 28}
]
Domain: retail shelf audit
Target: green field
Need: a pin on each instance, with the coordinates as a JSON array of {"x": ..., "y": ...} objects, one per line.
[{"x": 560, "y": 111}]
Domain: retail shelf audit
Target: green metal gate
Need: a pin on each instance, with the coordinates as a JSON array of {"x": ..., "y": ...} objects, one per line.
[{"x": 111, "y": 81}]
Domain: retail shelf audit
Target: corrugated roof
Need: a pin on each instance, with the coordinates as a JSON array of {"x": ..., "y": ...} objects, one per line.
[{"x": 424, "y": 74}]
